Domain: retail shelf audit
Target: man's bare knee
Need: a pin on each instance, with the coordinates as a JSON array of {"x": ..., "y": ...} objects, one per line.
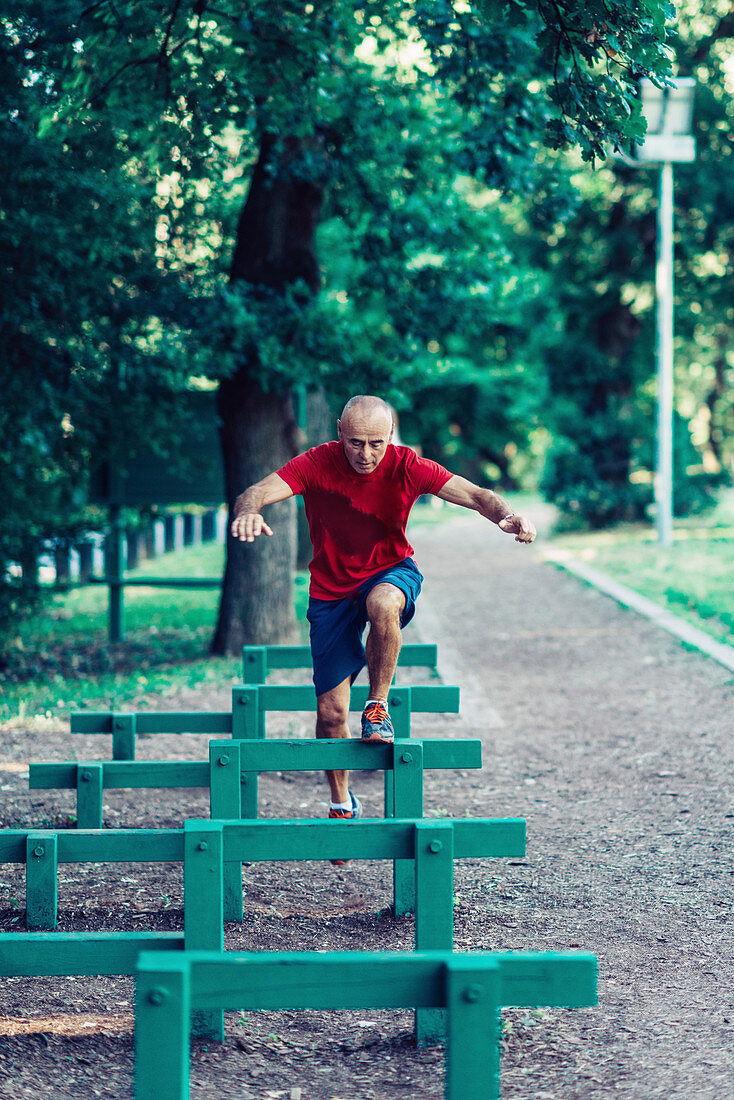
[
  {"x": 385, "y": 605},
  {"x": 331, "y": 718}
]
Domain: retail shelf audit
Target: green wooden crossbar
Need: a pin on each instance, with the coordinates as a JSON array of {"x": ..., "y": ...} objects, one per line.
[
  {"x": 470, "y": 989},
  {"x": 260, "y": 660},
  {"x": 232, "y": 777},
  {"x": 253, "y": 841},
  {"x": 249, "y": 704},
  {"x": 159, "y": 582},
  {"x": 254, "y": 756},
  {"x": 35, "y": 954}
]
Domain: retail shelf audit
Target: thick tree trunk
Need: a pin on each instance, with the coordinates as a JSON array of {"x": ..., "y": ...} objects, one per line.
[
  {"x": 275, "y": 247},
  {"x": 256, "y": 604}
]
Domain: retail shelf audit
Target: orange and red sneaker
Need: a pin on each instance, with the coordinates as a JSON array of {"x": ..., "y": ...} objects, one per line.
[{"x": 376, "y": 725}]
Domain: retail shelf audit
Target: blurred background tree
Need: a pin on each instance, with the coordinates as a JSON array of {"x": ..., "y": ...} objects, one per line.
[
  {"x": 601, "y": 366},
  {"x": 80, "y": 292}
]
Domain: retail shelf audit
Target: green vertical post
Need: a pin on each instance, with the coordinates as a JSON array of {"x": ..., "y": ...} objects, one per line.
[
  {"x": 299, "y": 397},
  {"x": 246, "y": 712},
  {"x": 41, "y": 880},
  {"x": 162, "y": 1012},
  {"x": 434, "y": 911},
  {"x": 254, "y": 673},
  {"x": 249, "y": 723},
  {"x": 399, "y": 704},
  {"x": 204, "y": 905},
  {"x": 224, "y": 803},
  {"x": 474, "y": 1028},
  {"x": 407, "y": 802},
  {"x": 113, "y": 564},
  {"x": 89, "y": 783},
  {"x": 123, "y": 736},
  {"x": 254, "y": 664}
]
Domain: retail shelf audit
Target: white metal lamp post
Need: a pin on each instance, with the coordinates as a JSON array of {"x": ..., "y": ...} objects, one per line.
[{"x": 669, "y": 113}]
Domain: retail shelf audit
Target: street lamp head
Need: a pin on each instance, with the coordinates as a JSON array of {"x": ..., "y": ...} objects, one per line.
[{"x": 668, "y": 112}]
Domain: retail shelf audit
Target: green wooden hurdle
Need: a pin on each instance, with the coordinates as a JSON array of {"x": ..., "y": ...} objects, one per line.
[
  {"x": 250, "y": 703},
  {"x": 42, "y": 850},
  {"x": 90, "y": 778},
  {"x": 254, "y": 701},
  {"x": 258, "y": 661},
  {"x": 231, "y": 775},
  {"x": 470, "y": 988},
  {"x": 431, "y": 846},
  {"x": 207, "y": 847}
]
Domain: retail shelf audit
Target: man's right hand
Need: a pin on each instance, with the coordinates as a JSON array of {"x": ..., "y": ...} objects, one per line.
[
  {"x": 248, "y": 522},
  {"x": 248, "y": 526}
]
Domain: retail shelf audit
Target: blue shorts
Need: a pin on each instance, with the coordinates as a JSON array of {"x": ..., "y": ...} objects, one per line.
[{"x": 337, "y": 626}]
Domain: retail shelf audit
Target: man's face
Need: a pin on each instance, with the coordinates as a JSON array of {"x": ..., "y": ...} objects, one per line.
[{"x": 365, "y": 437}]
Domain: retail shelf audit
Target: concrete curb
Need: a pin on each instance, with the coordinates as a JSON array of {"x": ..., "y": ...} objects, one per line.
[{"x": 691, "y": 635}]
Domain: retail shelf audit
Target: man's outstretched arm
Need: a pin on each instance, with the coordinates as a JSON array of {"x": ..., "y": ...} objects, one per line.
[
  {"x": 458, "y": 490},
  {"x": 248, "y": 523}
]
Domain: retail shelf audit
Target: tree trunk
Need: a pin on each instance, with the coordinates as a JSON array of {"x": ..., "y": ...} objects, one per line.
[
  {"x": 275, "y": 246},
  {"x": 256, "y": 605}
]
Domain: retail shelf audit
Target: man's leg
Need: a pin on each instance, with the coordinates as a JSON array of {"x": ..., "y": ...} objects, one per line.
[
  {"x": 332, "y": 710},
  {"x": 384, "y": 606}
]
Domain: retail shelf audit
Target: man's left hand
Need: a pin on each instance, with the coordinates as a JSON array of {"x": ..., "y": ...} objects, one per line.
[{"x": 523, "y": 529}]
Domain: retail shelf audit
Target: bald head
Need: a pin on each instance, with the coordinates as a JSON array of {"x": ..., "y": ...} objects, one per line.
[
  {"x": 364, "y": 404},
  {"x": 365, "y": 430}
]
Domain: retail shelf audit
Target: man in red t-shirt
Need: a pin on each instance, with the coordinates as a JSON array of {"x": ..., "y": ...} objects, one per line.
[{"x": 358, "y": 493}]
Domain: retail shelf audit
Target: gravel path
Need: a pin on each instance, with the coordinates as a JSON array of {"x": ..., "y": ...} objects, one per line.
[
  {"x": 615, "y": 743},
  {"x": 610, "y": 738}
]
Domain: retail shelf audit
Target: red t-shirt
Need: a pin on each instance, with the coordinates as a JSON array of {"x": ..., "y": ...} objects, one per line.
[{"x": 357, "y": 521}]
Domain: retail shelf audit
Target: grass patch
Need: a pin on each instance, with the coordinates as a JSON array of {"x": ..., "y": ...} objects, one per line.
[
  {"x": 62, "y": 660},
  {"x": 692, "y": 578}
]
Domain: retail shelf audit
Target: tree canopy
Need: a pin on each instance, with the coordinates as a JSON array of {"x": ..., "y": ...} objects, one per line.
[{"x": 270, "y": 193}]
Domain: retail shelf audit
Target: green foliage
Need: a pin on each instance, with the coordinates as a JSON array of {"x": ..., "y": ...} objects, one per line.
[
  {"x": 82, "y": 305},
  {"x": 601, "y": 361},
  {"x": 131, "y": 130}
]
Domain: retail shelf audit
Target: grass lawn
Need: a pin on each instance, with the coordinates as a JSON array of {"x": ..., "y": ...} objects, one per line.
[
  {"x": 62, "y": 660},
  {"x": 693, "y": 578}
]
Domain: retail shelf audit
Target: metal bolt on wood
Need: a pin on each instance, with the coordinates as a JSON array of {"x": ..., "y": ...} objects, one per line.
[
  {"x": 203, "y": 846},
  {"x": 435, "y": 846},
  {"x": 39, "y": 851},
  {"x": 223, "y": 760},
  {"x": 158, "y": 996},
  {"x": 473, "y": 994}
]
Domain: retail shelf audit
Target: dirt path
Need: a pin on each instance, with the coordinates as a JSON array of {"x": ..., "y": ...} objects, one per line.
[
  {"x": 616, "y": 746},
  {"x": 614, "y": 743}
]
